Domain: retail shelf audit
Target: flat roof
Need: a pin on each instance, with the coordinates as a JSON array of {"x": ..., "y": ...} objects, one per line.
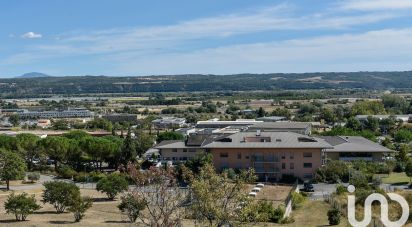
[{"x": 281, "y": 125}]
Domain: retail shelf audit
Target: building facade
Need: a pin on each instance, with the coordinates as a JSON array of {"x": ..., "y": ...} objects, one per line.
[{"x": 272, "y": 154}]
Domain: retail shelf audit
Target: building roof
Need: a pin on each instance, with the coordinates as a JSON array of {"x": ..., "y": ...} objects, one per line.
[
  {"x": 271, "y": 140},
  {"x": 271, "y": 118},
  {"x": 282, "y": 125},
  {"x": 228, "y": 123},
  {"x": 353, "y": 144},
  {"x": 171, "y": 144},
  {"x": 384, "y": 116}
]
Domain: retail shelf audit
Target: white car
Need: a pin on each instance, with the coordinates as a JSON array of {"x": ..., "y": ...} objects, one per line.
[
  {"x": 256, "y": 189},
  {"x": 253, "y": 194},
  {"x": 260, "y": 185}
]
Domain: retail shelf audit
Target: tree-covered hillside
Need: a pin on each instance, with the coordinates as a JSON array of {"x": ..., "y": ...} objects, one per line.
[{"x": 25, "y": 87}]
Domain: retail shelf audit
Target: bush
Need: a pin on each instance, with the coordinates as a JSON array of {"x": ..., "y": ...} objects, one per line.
[
  {"x": 262, "y": 211},
  {"x": 89, "y": 177},
  {"x": 21, "y": 205},
  {"x": 32, "y": 177},
  {"x": 112, "y": 185},
  {"x": 277, "y": 214},
  {"x": 340, "y": 189},
  {"x": 66, "y": 172},
  {"x": 334, "y": 216},
  {"x": 297, "y": 200},
  {"x": 361, "y": 195},
  {"x": 60, "y": 194},
  {"x": 332, "y": 172},
  {"x": 131, "y": 206},
  {"x": 359, "y": 180},
  {"x": 231, "y": 174},
  {"x": 79, "y": 206}
]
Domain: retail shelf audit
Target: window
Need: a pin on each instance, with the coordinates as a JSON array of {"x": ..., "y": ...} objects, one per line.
[
  {"x": 239, "y": 155},
  {"x": 307, "y": 165},
  {"x": 283, "y": 156},
  {"x": 247, "y": 157},
  {"x": 224, "y": 155},
  {"x": 192, "y": 150},
  {"x": 185, "y": 150},
  {"x": 283, "y": 165},
  {"x": 307, "y": 154},
  {"x": 174, "y": 150},
  {"x": 291, "y": 155},
  {"x": 292, "y": 165}
]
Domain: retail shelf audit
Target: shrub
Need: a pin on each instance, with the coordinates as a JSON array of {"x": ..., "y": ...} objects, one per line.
[
  {"x": 60, "y": 194},
  {"x": 361, "y": 195},
  {"x": 112, "y": 185},
  {"x": 131, "y": 206},
  {"x": 79, "y": 206},
  {"x": 33, "y": 177},
  {"x": 297, "y": 200},
  {"x": 89, "y": 177},
  {"x": 376, "y": 182},
  {"x": 231, "y": 174},
  {"x": 277, "y": 214},
  {"x": 21, "y": 205},
  {"x": 287, "y": 220},
  {"x": 340, "y": 189},
  {"x": 66, "y": 172},
  {"x": 359, "y": 180},
  {"x": 334, "y": 216},
  {"x": 332, "y": 172}
]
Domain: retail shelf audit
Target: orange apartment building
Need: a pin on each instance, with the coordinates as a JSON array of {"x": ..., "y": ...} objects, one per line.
[{"x": 272, "y": 154}]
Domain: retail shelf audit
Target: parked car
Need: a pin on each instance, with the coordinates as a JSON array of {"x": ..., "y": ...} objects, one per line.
[
  {"x": 308, "y": 187},
  {"x": 260, "y": 185}
]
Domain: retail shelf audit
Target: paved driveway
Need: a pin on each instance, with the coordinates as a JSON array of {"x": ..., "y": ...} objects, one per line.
[{"x": 321, "y": 189}]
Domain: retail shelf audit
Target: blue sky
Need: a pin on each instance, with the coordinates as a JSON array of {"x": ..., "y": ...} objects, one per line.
[{"x": 131, "y": 37}]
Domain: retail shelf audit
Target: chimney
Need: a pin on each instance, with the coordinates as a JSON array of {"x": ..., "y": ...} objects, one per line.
[{"x": 258, "y": 132}]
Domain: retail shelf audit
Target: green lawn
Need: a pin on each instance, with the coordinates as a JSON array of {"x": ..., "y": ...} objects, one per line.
[{"x": 395, "y": 178}]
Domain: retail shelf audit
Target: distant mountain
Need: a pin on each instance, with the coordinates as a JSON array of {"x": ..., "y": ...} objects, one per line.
[{"x": 33, "y": 75}]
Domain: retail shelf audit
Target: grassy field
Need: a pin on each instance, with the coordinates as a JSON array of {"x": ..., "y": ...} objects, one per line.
[
  {"x": 395, "y": 179},
  {"x": 103, "y": 213}
]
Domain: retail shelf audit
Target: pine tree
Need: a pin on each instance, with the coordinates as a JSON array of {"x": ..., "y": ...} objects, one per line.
[{"x": 128, "y": 149}]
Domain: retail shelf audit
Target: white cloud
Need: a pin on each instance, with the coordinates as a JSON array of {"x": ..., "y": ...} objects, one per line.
[
  {"x": 375, "y": 50},
  {"x": 163, "y": 49},
  {"x": 367, "y": 5},
  {"x": 31, "y": 35},
  {"x": 173, "y": 36}
]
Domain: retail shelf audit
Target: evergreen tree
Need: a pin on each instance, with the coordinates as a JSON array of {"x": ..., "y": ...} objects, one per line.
[{"x": 128, "y": 149}]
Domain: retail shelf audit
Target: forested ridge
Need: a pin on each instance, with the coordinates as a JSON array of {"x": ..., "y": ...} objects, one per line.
[{"x": 26, "y": 87}]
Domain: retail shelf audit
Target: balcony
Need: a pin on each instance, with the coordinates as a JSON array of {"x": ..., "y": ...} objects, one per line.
[
  {"x": 267, "y": 170},
  {"x": 265, "y": 159}
]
